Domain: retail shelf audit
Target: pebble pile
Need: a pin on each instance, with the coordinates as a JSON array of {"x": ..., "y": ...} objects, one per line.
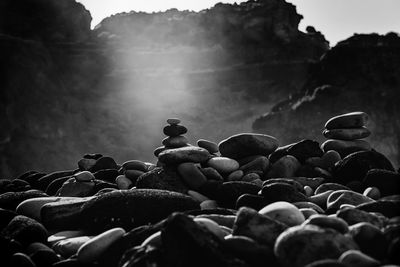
[
  {"x": 345, "y": 133},
  {"x": 245, "y": 201}
]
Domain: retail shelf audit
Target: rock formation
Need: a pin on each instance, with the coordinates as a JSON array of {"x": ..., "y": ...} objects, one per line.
[
  {"x": 68, "y": 90},
  {"x": 360, "y": 73}
]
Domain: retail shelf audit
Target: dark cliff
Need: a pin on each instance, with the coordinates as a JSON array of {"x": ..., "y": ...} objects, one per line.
[
  {"x": 67, "y": 90},
  {"x": 360, "y": 73}
]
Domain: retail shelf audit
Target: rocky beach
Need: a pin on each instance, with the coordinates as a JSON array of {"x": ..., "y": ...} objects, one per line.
[
  {"x": 224, "y": 137},
  {"x": 246, "y": 201}
]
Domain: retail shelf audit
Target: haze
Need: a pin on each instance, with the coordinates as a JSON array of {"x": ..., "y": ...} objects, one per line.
[{"x": 336, "y": 19}]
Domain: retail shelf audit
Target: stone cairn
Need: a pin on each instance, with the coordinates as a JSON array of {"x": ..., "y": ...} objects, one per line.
[
  {"x": 175, "y": 136},
  {"x": 345, "y": 133},
  {"x": 245, "y": 201}
]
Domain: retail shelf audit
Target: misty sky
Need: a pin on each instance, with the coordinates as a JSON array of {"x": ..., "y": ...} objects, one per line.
[{"x": 336, "y": 19}]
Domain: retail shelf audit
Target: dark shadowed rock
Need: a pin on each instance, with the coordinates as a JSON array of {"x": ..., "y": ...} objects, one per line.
[
  {"x": 356, "y": 165},
  {"x": 387, "y": 207},
  {"x": 244, "y": 145},
  {"x": 164, "y": 179},
  {"x": 188, "y": 244},
  {"x": 388, "y": 182},
  {"x": 11, "y": 200},
  {"x": 305, "y": 149},
  {"x": 25, "y": 230},
  {"x": 131, "y": 208}
]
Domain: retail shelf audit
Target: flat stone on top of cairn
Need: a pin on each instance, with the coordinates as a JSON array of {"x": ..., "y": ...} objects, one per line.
[{"x": 345, "y": 133}]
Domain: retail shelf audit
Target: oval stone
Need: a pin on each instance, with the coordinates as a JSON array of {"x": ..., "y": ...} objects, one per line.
[
  {"x": 247, "y": 144},
  {"x": 349, "y": 120},
  {"x": 84, "y": 176},
  {"x": 286, "y": 166},
  {"x": 175, "y": 142},
  {"x": 123, "y": 182},
  {"x": 339, "y": 197},
  {"x": 301, "y": 245},
  {"x": 223, "y": 164},
  {"x": 174, "y": 130},
  {"x": 134, "y": 165},
  {"x": 345, "y": 148},
  {"x": 333, "y": 222},
  {"x": 210, "y": 146},
  {"x": 184, "y": 154},
  {"x": 347, "y": 134},
  {"x": 69, "y": 246},
  {"x": 284, "y": 212},
  {"x": 96, "y": 246},
  {"x": 173, "y": 121},
  {"x": 236, "y": 175},
  {"x": 191, "y": 175}
]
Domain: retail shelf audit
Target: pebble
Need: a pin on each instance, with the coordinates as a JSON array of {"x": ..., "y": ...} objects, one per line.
[
  {"x": 173, "y": 121},
  {"x": 304, "y": 149},
  {"x": 286, "y": 166},
  {"x": 134, "y": 165},
  {"x": 69, "y": 246},
  {"x": 247, "y": 144},
  {"x": 355, "y": 166},
  {"x": 354, "y": 216},
  {"x": 21, "y": 260},
  {"x": 174, "y": 130},
  {"x": 25, "y": 230},
  {"x": 73, "y": 188},
  {"x": 388, "y": 182},
  {"x": 329, "y": 159},
  {"x": 311, "y": 243},
  {"x": 370, "y": 239},
  {"x": 372, "y": 192},
  {"x": 340, "y": 197},
  {"x": 123, "y": 182},
  {"x": 191, "y": 175},
  {"x": 308, "y": 190},
  {"x": 252, "y": 201},
  {"x": 320, "y": 199},
  {"x": 258, "y": 165},
  {"x": 283, "y": 212},
  {"x": 349, "y": 120},
  {"x": 347, "y": 134},
  {"x": 223, "y": 164},
  {"x": 164, "y": 179},
  {"x": 31, "y": 207},
  {"x": 251, "y": 177},
  {"x": 84, "y": 176},
  {"x": 282, "y": 192},
  {"x": 184, "y": 154},
  {"x": 235, "y": 176},
  {"x": 222, "y": 220},
  {"x": 212, "y": 174},
  {"x": 210, "y": 146},
  {"x": 98, "y": 245},
  {"x": 345, "y": 148},
  {"x": 54, "y": 238},
  {"x": 153, "y": 240},
  {"x": 333, "y": 222},
  {"x": 175, "y": 142},
  {"x": 208, "y": 204},
  {"x": 355, "y": 258},
  {"x": 330, "y": 186},
  {"x": 133, "y": 175},
  {"x": 104, "y": 163},
  {"x": 211, "y": 226},
  {"x": 263, "y": 229},
  {"x": 306, "y": 204}
]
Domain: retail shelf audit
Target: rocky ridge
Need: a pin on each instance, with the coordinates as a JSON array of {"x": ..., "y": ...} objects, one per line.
[
  {"x": 67, "y": 89},
  {"x": 360, "y": 73}
]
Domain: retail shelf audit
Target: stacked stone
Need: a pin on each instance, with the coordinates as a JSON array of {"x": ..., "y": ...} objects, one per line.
[
  {"x": 175, "y": 136},
  {"x": 345, "y": 133}
]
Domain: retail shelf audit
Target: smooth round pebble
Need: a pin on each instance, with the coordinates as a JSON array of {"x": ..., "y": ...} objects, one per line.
[
  {"x": 210, "y": 146},
  {"x": 175, "y": 142},
  {"x": 173, "y": 121},
  {"x": 223, "y": 164},
  {"x": 347, "y": 134},
  {"x": 333, "y": 222},
  {"x": 250, "y": 177},
  {"x": 123, "y": 182},
  {"x": 356, "y": 258},
  {"x": 134, "y": 165},
  {"x": 208, "y": 205},
  {"x": 235, "y": 176},
  {"x": 69, "y": 246},
  {"x": 84, "y": 176},
  {"x": 308, "y": 190},
  {"x": 348, "y": 120},
  {"x": 212, "y": 226},
  {"x": 174, "y": 130},
  {"x": 54, "y": 238},
  {"x": 308, "y": 212},
  {"x": 284, "y": 212},
  {"x": 92, "y": 249},
  {"x": 372, "y": 192},
  {"x": 191, "y": 175}
]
